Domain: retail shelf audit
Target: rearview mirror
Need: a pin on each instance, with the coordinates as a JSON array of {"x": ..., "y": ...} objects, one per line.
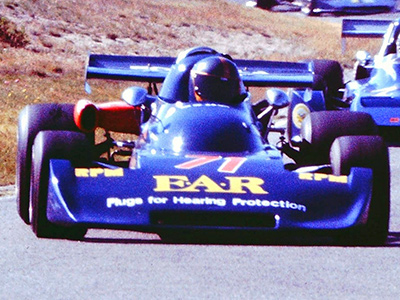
[
  {"x": 137, "y": 96},
  {"x": 277, "y": 98}
]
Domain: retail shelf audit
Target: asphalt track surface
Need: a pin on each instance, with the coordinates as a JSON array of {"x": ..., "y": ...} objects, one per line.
[{"x": 130, "y": 265}]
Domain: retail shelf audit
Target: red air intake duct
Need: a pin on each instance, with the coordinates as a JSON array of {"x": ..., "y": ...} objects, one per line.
[{"x": 116, "y": 116}]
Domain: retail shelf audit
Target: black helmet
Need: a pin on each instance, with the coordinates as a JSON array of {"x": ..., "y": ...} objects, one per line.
[{"x": 217, "y": 79}]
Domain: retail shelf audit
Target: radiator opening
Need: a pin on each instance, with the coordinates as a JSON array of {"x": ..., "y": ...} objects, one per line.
[{"x": 213, "y": 219}]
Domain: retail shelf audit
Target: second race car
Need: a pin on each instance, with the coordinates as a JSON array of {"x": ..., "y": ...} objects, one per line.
[
  {"x": 374, "y": 90},
  {"x": 317, "y": 7}
]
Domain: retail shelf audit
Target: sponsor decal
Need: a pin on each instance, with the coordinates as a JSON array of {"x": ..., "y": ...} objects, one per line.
[
  {"x": 269, "y": 203},
  {"x": 96, "y": 172},
  {"x": 157, "y": 200},
  {"x": 324, "y": 177},
  {"x": 230, "y": 164},
  {"x": 114, "y": 202},
  {"x": 128, "y": 202},
  {"x": 199, "y": 201},
  {"x": 394, "y": 120},
  {"x": 232, "y": 184},
  {"x": 197, "y": 161},
  {"x": 300, "y": 111}
]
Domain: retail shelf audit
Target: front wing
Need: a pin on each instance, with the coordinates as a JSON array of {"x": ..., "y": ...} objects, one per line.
[{"x": 167, "y": 198}]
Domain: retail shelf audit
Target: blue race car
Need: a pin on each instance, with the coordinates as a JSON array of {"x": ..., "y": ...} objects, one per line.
[
  {"x": 374, "y": 90},
  {"x": 317, "y": 7},
  {"x": 202, "y": 160}
]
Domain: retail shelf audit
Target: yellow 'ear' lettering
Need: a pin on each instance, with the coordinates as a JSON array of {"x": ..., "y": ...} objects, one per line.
[
  {"x": 204, "y": 182},
  {"x": 240, "y": 184},
  {"x": 169, "y": 183}
]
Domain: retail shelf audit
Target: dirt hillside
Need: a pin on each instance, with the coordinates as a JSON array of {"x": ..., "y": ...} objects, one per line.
[
  {"x": 68, "y": 28},
  {"x": 44, "y": 45}
]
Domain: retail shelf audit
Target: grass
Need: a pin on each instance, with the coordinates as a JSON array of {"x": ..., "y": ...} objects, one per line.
[{"x": 44, "y": 46}]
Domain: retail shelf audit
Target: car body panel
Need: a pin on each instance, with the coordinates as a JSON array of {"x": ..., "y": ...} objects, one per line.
[{"x": 129, "y": 198}]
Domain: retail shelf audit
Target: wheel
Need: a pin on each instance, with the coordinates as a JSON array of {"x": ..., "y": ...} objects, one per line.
[
  {"x": 69, "y": 145},
  {"x": 319, "y": 130},
  {"x": 266, "y": 4},
  {"x": 369, "y": 152},
  {"x": 328, "y": 77},
  {"x": 32, "y": 119}
]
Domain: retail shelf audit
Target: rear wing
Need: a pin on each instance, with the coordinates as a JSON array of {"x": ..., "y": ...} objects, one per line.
[
  {"x": 154, "y": 70},
  {"x": 363, "y": 28}
]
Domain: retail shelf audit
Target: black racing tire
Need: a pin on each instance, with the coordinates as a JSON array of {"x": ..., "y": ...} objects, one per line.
[
  {"x": 73, "y": 146},
  {"x": 320, "y": 129},
  {"x": 368, "y": 152},
  {"x": 32, "y": 119},
  {"x": 328, "y": 77},
  {"x": 266, "y": 4}
]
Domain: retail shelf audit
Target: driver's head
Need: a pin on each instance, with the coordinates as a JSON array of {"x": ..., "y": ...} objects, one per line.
[{"x": 216, "y": 79}]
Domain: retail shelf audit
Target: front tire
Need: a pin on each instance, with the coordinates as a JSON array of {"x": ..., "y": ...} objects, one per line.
[
  {"x": 48, "y": 145},
  {"x": 320, "y": 129},
  {"x": 368, "y": 152},
  {"x": 32, "y": 119}
]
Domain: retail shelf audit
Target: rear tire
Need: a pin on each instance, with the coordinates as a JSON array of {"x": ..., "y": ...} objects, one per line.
[
  {"x": 69, "y": 145},
  {"x": 328, "y": 77},
  {"x": 32, "y": 119},
  {"x": 368, "y": 152}
]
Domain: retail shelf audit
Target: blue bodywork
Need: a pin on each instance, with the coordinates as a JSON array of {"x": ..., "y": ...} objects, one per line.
[
  {"x": 379, "y": 94},
  {"x": 314, "y": 7},
  {"x": 148, "y": 197},
  {"x": 203, "y": 165},
  {"x": 376, "y": 86}
]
